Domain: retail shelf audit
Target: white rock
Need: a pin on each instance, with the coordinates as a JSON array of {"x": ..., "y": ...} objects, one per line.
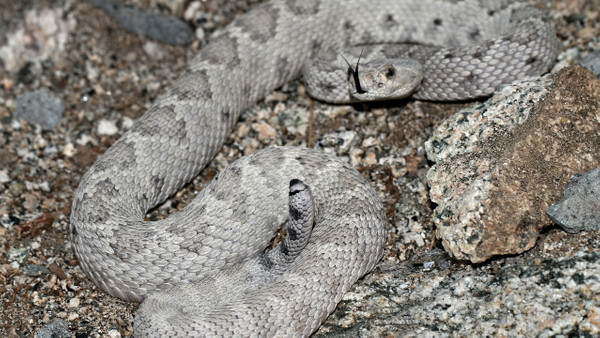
[
  {"x": 113, "y": 334},
  {"x": 74, "y": 303},
  {"x": 4, "y": 176},
  {"x": 69, "y": 150},
  {"x": 107, "y": 127},
  {"x": 127, "y": 122}
]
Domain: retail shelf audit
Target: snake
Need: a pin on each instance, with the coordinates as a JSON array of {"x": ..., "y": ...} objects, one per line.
[{"x": 211, "y": 268}]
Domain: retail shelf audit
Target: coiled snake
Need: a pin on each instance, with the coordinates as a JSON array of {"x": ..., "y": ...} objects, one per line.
[{"x": 203, "y": 270}]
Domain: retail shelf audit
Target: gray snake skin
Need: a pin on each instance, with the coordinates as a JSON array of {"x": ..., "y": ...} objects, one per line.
[{"x": 204, "y": 270}]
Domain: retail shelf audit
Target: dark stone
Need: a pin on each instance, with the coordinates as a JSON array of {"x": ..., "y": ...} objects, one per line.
[{"x": 579, "y": 209}]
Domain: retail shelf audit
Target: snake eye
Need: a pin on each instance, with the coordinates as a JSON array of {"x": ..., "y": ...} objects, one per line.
[{"x": 390, "y": 72}]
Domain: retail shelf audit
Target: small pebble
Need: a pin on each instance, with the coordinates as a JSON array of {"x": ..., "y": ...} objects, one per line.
[
  {"x": 51, "y": 150},
  {"x": 369, "y": 142},
  {"x": 371, "y": 158},
  {"x": 106, "y": 127},
  {"x": 57, "y": 271},
  {"x": 428, "y": 266},
  {"x": 193, "y": 11},
  {"x": 74, "y": 303},
  {"x": 154, "y": 50},
  {"x": 58, "y": 328},
  {"x": 127, "y": 122},
  {"x": 114, "y": 334},
  {"x": 592, "y": 62},
  {"x": 41, "y": 108},
  {"x": 4, "y": 177},
  {"x": 69, "y": 150},
  {"x": 35, "y": 270},
  {"x": 265, "y": 131},
  {"x": 6, "y": 220},
  {"x": 200, "y": 34},
  {"x": 342, "y": 141},
  {"x": 8, "y": 83},
  {"x": 18, "y": 255},
  {"x": 92, "y": 72}
]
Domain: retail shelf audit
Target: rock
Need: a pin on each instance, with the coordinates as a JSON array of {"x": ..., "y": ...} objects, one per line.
[
  {"x": 176, "y": 6},
  {"x": 153, "y": 25},
  {"x": 107, "y": 127},
  {"x": 74, "y": 303},
  {"x": 154, "y": 50},
  {"x": 538, "y": 298},
  {"x": 296, "y": 120},
  {"x": 592, "y": 62},
  {"x": 42, "y": 35},
  {"x": 41, "y": 108},
  {"x": 4, "y": 178},
  {"x": 339, "y": 142},
  {"x": 58, "y": 328},
  {"x": 265, "y": 131},
  {"x": 58, "y": 271},
  {"x": 7, "y": 220},
  {"x": 113, "y": 334},
  {"x": 501, "y": 164},
  {"x": 579, "y": 209},
  {"x": 19, "y": 255},
  {"x": 35, "y": 270}
]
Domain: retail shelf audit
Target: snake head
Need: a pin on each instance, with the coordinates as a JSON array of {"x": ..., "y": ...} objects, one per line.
[{"x": 385, "y": 79}]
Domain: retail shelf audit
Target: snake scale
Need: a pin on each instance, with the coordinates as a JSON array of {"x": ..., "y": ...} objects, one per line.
[{"x": 204, "y": 270}]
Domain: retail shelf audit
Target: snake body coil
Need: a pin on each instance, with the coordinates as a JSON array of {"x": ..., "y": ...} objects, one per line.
[{"x": 203, "y": 270}]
